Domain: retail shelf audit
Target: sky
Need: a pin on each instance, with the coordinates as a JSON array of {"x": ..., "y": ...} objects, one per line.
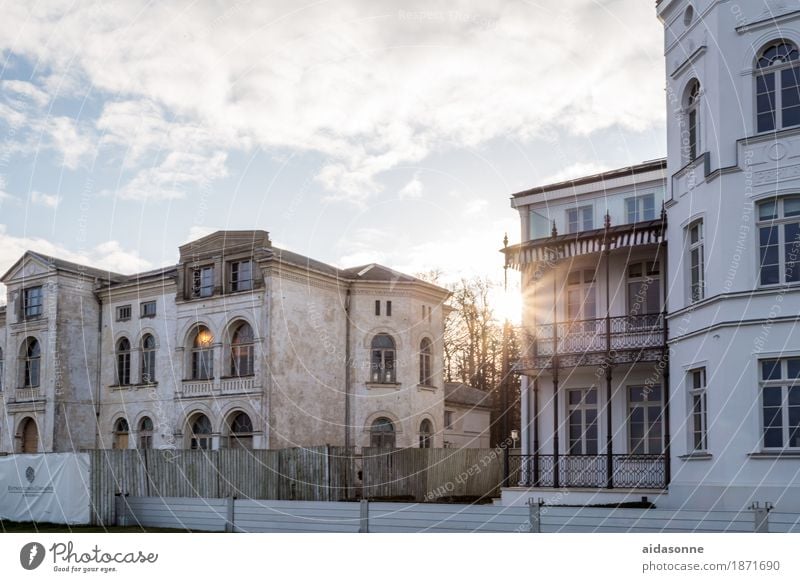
[{"x": 354, "y": 131}]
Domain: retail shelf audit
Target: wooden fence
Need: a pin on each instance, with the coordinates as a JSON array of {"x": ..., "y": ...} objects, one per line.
[{"x": 323, "y": 473}]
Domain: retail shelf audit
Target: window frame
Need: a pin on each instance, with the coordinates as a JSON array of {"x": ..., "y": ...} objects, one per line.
[
  {"x": 120, "y": 312},
  {"x": 699, "y": 247},
  {"x": 144, "y": 437},
  {"x": 651, "y": 275},
  {"x": 426, "y": 362},
  {"x": 241, "y": 349},
  {"x": 380, "y": 373},
  {"x": 198, "y": 288},
  {"x": 449, "y": 416},
  {"x": 143, "y": 309},
  {"x": 123, "y": 362},
  {"x": 775, "y": 72},
  {"x": 779, "y": 221},
  {"x": 785, "y": 383},
  {"x": 235, "y": 283},
  {"x": 639, "y": 207},
  {"x": 31, "y": 364},
  {"x": 646, "y": 404},
  {"x": 121, "y": 434},
  {"x": 239, "y": 439},
  {"x": 580, "y": 218},
  {"x": 200, "y": 440},
  {"x": 697, "y": 383},
  {"x": 425, "y": 436},
  {"x": 582, "y": 407},
  {"x": 147, "y": 371},
  {"x": 32, "y": 310},
  {"x": 386, "y": 437},
  {"x": 587, "y": 286},
  {"x": 201, "y": 356}
]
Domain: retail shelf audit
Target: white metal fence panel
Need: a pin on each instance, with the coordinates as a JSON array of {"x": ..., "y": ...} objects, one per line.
[
  {"x": 603, "y": 520},
  {"x": 189, "y": 513},
  {"x": 432, "y": 517},
  {"x": 296, "y": 516}
]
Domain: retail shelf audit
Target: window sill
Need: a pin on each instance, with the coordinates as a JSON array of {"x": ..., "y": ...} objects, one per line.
[
  {"x": 235, "y": 377},
  {"x": 141, "y": 385},
  {"x": 392, "y": 385},
  {"x": 122, "y": 386},
  {"x": 153, "y": 316},
  {"x": 198, "y": 380},
  {"x": 791, "y": 454},
  {"x": 697, "y": 456},
  {"x": 426, "y": 388}
]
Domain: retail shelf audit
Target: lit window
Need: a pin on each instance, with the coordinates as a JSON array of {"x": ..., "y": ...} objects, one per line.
[
  {"x": 777, "y": 87},
  {"x": 779, "y": 240},
  {"x": 203, "y": 354}
]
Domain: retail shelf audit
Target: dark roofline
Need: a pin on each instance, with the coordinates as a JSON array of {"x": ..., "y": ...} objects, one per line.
[{"x": 649, "y": 166}]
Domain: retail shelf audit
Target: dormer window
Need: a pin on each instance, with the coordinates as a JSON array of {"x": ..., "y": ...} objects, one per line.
[
  {"x": 203, "y": 281},
  {"x": 241, "y": 276},
  {"x": 32, "y": 302},
  {"x": 777, "y": 86}
]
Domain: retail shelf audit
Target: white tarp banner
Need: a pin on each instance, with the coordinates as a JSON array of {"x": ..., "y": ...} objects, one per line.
[{"x": 50, "y": 488}]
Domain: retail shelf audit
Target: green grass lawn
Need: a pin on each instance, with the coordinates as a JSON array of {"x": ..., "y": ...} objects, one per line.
[{"x": 31, "y": 527}]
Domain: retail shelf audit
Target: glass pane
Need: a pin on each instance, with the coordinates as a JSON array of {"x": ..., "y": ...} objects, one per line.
[
  {"x": 591, "y": 396},
  {"x": 770, "y": 370},
  {"x": 653, "y": 414},
  {"x": 772, "y": 417},
  {"x": 791, "y": 116},
  {"x": 794, "y": 396},
  {"x": 636, "y": 394},
  {"x": 773, "y": 438},
  {"x": 655, "y": 394},
  {"x": 637, "y": 415},
  {"x": 770, "y": 275},
  {"x": 791, "y": 206},
  {"x": 766, "y": 122},
  {"x": 765, "y": 83},
  {"x": 574, "y": 396}
]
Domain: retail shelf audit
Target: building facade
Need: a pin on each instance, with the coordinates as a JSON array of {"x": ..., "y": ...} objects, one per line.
[
  {"x": 240, "y": 344},
  {"x": 713, "y": 422},
  {"x": 467, "y": 417}
]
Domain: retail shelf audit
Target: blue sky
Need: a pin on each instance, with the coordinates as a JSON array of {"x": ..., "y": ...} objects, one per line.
[{"x": 353, "y": 131}]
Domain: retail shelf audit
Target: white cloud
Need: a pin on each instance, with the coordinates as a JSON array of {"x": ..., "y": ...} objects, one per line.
[
  {"x": 109, "y": 255},
  {"x": 364, "y": 84},
  {"x": 412, "y": 190},
  {"x": 573, "y": 171},
  {"x": 46, "y": 200},
  {"x": 475, "y": 206},
  {"x": 25, "y": 90}
]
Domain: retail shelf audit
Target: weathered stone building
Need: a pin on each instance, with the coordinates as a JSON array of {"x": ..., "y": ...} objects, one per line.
[{"x": 241, "y": 344}]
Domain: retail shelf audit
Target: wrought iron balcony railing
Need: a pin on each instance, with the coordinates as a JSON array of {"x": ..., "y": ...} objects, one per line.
[
  {"x": 589, "y": 341},
  {"x": 590, "y": 471}
]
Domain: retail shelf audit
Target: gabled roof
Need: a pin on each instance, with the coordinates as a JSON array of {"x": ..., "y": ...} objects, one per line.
[
  {"x": 69, "y": 266},
  {"x": 457, "y": 393},
  {"x": 376, "y": 272}
]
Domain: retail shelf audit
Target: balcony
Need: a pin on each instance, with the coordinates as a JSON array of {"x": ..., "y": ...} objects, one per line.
[
  {"x": 238, "y": 385},
  {"x": 589, "y": 471},
  {"x": 28, "y": 394},
  {"x": 625, "y": 339},
  {"x": 195, "y": 388}
]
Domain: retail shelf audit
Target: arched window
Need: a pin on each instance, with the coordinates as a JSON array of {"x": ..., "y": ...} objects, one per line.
[
  {"x": 148, "y": 359},
  {"x": 242, "y": 350},
  {"x": 383, "y": 358},
  {"x": 121, "y": 431},
  {"x": 146, "y": 433},
  {"x": 777, "y": 86},
  {"x": 382, "y": 433},
  {"x": 425, "y": 373},
  {"x": 692, "y": 115},
  {"x": 123, "y": 362},
  {"x": 31, "y": 363},
  {"x": 29, "y": 436},
  {"x": 200, "y": 432},
  {"x": 240, "y": 431},
  {"x": 425, "y": 434},
  {"x": 202, "y": 354}
]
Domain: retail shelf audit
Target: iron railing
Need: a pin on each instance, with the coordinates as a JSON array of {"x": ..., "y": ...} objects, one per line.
[{"x": 627, "y": 471}]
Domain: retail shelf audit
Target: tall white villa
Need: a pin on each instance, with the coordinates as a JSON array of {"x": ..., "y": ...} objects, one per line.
[
  {"x": 240, "y": 344},
  {"x": 714, "y": 422}
]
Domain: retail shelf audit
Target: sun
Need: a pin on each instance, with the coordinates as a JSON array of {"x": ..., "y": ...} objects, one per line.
[{"x": 507, "y": 305}]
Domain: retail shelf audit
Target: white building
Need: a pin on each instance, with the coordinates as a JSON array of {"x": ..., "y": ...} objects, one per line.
[
  {"x": 723, "y": 402},
  {"x": 240, "y": 344},
  {"x": 467, "y": 417}
]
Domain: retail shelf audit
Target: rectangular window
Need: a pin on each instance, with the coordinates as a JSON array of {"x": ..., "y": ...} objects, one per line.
[
  {"x": 640, "y": 208},
  {"x": 203, "y": 281},
  {"x": 148, "y": 309},
  {"x": 581, "y": 295},
  {"x": 388, "y": 309},
  {"x": 241, "y": 276},
  {"x": 123, "y": 313},
  {"x": 377, "y": 307},
  {"x": 696, "y": 261},
  {"x": 448, "y": 419},
  {"x": 32, "y": 301},
  {"x": 580, "y": 219},
  {"x": 582, "y": 420},
  {"x": 779, "y": 241},
  {"x": 645, "y": 420},
  {"x": 699, "y": 409},
  {"x": 692, "y": 134},
  {"x": 780, "y": 403},
  {"x": 644, "y": 289}
]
